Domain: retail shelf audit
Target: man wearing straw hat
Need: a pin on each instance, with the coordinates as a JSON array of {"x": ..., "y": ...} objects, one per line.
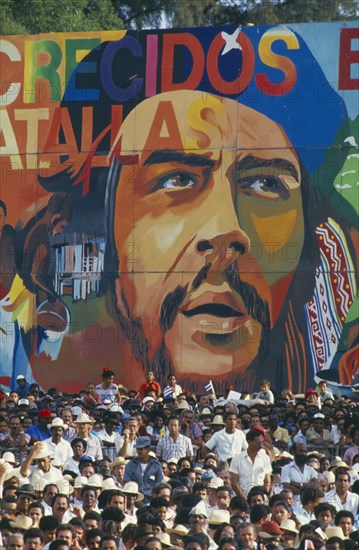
[
  {"x": 229, "y": 441},
  {"x": 61, "y": 450},
  {"x": 40, "y": 454},
  {"x": 84, "y": 425}
]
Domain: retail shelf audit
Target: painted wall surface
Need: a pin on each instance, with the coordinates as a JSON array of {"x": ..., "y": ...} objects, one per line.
[{"x": 181, "y": 201}]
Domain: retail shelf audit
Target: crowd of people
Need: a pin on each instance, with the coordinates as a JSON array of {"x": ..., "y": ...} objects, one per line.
[{"x": 114, "y": 468}]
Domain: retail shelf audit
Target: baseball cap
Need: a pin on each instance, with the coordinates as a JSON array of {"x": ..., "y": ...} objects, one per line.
[
  {"x": 44, "y": 413},
  {"x": 23, "y": 402},
  {"x": 20, "y": 377},
  {"x": 87, "y": 458},
  {"x": 142, "y": 442}
]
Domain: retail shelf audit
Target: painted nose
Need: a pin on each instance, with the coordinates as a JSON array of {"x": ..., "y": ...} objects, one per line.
[{"x": 224, "y": 249}]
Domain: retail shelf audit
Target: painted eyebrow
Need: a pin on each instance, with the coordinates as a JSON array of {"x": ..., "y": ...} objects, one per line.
[
  {"x": 169, "y": 155},
  {"x": 250, "y": 162}
]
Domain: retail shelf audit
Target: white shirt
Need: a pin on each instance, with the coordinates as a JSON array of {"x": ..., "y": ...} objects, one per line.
[
  {"x": 131, "y": 445},
  {"x": 250, "y": 473},
  {"x": 291, "y": 472},
  {"x": 350, "y": 505},
  {"x": 113, "y": 438},
  {"x": 61, "y": 451},
  {"x": 227, "y": 445},
  {"x": 37, "y": 475},
  {"x": 72, "y": 465}
]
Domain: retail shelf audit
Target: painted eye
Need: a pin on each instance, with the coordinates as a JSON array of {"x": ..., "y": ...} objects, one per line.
[
  {"x": 264, "y": 186},
  {"x": 178, "y": 181}
]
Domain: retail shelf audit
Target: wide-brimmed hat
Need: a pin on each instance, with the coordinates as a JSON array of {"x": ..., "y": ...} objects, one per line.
[
  {"x": 206, "y": 411},
  {"x": 148, "y": 399},
  {"x": 334, "y": 531},
  {"x": 218, "y": 420},
  {"x": 199, "y": 510},
  {"x": 43, "y": 452},
  {"x": 65, "y": 487},
  {"x": 338, "y": 463},
  {"x": 21, "y": 522},
  {"x": 95, "y": 481},
  {"x": 178, "y": 529},
  {"x": 315, "y": 454},
  {"x": 289, "y": 525},
  {"x": 219, "y": 516},
  {"x": 83, "y": 418},
  {"x": 117, "y": 462},
  {"x": 116, "y": 408},
  {"x": 183, "y": 405},
  {"x": 131, "y": 488},
  {"x": 142, "y": 531},
  {"x": 109, "y": 484},
  {"x": 329, "y": 476},
  {"x": 9, "y": 457},
  {"x": 27, "y": 489},
  {"x": 215, "y": 483},
  {"x": 80, "y": 481},
  {"x": 165, "y": 539},
  {"x": 57, "y": 423}
]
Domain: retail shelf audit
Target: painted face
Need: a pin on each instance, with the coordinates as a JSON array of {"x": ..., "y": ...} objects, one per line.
[{"x": 213, "y": 205}]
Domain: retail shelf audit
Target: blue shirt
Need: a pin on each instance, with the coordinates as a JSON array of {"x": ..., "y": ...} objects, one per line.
[
  {"x": 153, "y": 474},
  {"x": 36, "y": 433}
]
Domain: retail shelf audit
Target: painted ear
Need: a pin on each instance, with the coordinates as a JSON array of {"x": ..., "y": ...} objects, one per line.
[{"x": 55, "y": 217}]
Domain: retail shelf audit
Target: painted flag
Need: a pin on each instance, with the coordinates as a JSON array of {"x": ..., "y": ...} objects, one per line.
[
  {"x": 168, "y": 392},
  {"x": 209, "y": 387}
]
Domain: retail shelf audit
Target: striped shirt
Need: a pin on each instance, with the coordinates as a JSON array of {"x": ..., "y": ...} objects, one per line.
[{"x": 168, "y": 448}]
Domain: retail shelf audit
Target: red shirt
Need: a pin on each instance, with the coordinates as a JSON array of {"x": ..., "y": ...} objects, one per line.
[{"x": 150, "y": 386}]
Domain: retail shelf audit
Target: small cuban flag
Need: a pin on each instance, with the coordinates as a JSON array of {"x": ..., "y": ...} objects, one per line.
[
  {"x": 209, "y": 387},
  {"x": 168, "y": 392}
]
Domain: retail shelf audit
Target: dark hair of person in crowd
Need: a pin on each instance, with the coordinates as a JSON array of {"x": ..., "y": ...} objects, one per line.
[
  {"x": 259, "y": 512},
  {"x": 91, "y": 533},
  {"x": 340, "y": 472},
  {"x": 274, "y": 499},
  {"x": 310, "y": 494},
  {"x": 251, "y": 435},
  {"x": 335, "y": 540},
  {"x": 93, "y": 515},
  {"x": 77, "y": 522},
  {"x": 239, "y": 503},
  {"x": 219, "y": 530},
  {"x": 227, "y": 541},
  {"x": 34, "y": 532},
  {"x": 128, "y": 533},
  {"x": 197, "y": 539},
  {"x": 355, "y": 486},
  {"x": 110, "y": 537},
  {"x": 107, "y": 373},
  {"x": 58, "y": 544},
  {"x": 343, "y": 514},
  {"x": 112, "y": 513},
  {"x": 48, "y": 523}
]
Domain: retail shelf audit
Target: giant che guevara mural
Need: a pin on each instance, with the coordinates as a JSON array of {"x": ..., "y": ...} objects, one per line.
[{"x": 182, "y": 201}]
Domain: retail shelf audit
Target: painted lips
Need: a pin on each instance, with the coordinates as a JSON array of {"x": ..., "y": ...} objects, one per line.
[{"x": 222, "y": 305}]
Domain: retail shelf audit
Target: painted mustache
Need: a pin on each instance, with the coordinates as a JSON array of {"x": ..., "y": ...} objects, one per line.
[{"x": 256, "y": 307}]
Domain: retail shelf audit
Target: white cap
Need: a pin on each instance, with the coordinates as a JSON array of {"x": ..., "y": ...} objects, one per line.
[{"x": 199, "y": 510}]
